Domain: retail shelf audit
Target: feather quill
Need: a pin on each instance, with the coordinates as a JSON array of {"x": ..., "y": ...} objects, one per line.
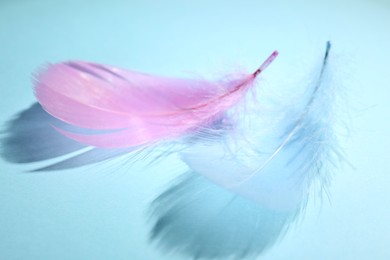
[{"x": 284, "y": 154}]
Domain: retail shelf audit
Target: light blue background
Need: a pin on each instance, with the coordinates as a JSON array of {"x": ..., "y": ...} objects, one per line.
[{"x": 99, "y": 212}]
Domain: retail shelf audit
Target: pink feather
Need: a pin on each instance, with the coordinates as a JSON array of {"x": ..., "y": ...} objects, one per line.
[{"x": 136, "y": 108}]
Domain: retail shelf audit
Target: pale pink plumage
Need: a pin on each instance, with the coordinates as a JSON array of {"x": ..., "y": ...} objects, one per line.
[{"x": 136, "y": 108}]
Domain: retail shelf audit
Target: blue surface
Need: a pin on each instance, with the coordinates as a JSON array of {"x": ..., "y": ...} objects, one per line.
[{"x": 98, "y": 212}]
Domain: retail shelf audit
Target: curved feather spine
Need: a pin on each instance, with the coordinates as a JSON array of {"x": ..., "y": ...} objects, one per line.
[
  {"x": 258, "y": 205},
  {"x": 301, "y": 119},
  {"x": 280, "y": 158}
]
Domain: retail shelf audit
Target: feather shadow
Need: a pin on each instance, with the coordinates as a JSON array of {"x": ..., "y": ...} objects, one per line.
[
  {"x": 30, "y": 137},
  {"x": 202, "y": 220}
]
